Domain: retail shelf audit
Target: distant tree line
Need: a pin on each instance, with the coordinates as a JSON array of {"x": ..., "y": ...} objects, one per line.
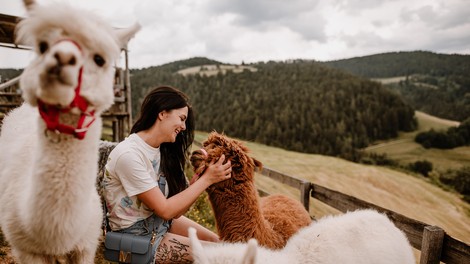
[
  {"x": 445, "y": 97},
  {"x": 452, "y": 138},
  {"x": 301, "y": 106},
  {"x": 436, "y": 84},
  {"x": 402, "y": 63},
  {"x": 459, "y": 180},
  {"x": 7, "y": 74}
]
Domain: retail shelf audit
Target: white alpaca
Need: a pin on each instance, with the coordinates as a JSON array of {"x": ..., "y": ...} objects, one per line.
[
  {"x": 363, "y": 236},
  {"x": 49, "y": 207}
]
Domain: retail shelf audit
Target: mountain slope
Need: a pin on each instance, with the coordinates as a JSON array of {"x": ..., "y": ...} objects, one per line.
[
  {"x": 395, "y": 64},
  {"x": 303, "y": 106},
  {"x": 436, "y": 84}
]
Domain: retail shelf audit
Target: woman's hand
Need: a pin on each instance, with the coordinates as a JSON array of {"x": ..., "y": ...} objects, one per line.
[
  {"x": 178, "y": 204},
  {"x": 218, "y": 171}
]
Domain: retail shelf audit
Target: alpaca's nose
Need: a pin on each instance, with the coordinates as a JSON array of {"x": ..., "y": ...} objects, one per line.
[
  {"x": 65, "y": 58},
  {"x": 63, "y": 54},
  {"x": 66, "y": 53}
]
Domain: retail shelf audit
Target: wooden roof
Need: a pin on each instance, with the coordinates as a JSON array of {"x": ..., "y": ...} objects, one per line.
[{"x": 7, "y": 30}]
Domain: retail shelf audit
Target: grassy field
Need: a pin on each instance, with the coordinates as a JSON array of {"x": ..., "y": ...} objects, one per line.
[
  {"x": 410, "y": 195},
  {"x": 404, "y": 150}
]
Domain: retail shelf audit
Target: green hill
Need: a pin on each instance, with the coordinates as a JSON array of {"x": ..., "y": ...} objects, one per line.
[
  {"x": 437, "y": 84},
  {"x": 393, "y": 64},
  {"x": 302, "y": 106},
  {"x": 404, "y": 150}
]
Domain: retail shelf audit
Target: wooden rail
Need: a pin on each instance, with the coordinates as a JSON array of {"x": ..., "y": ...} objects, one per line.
[
  {"x": 9, "y": 83},
  {"x": 435, "y": 245}
]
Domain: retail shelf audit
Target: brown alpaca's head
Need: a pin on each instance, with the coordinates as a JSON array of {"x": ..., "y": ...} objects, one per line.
[{"x": 243, "y": 166}]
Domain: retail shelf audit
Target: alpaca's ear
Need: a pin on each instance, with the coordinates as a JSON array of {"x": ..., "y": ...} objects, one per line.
[
  {"x": 125, "y": 34},
  {"x": 258, "y": 164},
  {"x": 199, "y": 255},
  {"x": 250, "y": 253},
  {"x": 29, "y": 4}
]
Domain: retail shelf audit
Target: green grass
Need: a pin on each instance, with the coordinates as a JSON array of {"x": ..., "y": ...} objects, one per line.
[{"x": 404, "y": 150}]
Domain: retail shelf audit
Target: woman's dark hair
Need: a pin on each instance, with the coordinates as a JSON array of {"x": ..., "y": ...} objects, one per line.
[{"x": 173, "y": 155}]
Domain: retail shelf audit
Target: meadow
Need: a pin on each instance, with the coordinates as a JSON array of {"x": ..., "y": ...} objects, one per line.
[{"x": 404, "y": 150}]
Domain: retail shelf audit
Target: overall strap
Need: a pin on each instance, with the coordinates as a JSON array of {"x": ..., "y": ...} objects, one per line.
[{"x": 162, "y": 183}]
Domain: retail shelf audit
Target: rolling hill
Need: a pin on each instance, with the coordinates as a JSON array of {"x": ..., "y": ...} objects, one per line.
[{"x": 437, "y": 84}]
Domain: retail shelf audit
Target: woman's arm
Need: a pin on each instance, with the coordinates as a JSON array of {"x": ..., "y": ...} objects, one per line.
[
  {"x": 180, "y": 226},
  {"x": 178, "y": 204}
]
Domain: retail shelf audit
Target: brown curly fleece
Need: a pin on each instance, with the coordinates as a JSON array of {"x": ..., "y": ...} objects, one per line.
[{"x": 239, "y": 212}]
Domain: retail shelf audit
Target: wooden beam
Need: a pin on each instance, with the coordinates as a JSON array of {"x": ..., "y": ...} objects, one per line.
[
  {"x": 431, "y": 249},
  {"x": 7, "y": 28}
]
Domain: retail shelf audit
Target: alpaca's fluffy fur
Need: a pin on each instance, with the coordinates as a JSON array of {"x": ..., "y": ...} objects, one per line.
[
  {"x": 364, "y": 236},
  {"x": 50, "y": 209},
  {"x": 239, "y": 212}
]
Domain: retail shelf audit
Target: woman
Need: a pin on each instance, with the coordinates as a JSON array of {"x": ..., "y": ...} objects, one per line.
[{"x": 145, "y": 185}]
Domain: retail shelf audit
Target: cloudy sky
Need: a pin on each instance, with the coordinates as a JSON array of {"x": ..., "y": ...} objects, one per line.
[{"x": 236, "y": 31}]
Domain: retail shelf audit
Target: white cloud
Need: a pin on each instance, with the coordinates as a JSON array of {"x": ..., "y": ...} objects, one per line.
[{"x": 262, "y": 30}]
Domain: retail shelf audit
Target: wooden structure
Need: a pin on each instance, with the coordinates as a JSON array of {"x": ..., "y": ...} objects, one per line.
[{"x": 116, "y": 121}]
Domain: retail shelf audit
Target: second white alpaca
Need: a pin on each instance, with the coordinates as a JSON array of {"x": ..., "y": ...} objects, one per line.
[{"x": 363, "y": 236}]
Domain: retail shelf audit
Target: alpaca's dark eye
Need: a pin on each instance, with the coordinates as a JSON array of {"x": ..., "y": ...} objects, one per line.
[
  {"x": 99, "y": 60},
  {"x": 43, "y": 46}
]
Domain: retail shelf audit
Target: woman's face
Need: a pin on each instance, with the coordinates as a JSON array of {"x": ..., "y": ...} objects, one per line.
[{"x": 173, "y": 122}]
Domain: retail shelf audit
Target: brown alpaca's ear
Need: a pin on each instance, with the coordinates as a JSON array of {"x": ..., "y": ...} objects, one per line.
[
  {"x": 258, "y": 164},
  {"x": 198, "y": 161}
]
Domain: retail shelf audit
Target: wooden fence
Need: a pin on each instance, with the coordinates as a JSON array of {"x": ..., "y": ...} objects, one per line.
[{"x": 435, "y": 245}]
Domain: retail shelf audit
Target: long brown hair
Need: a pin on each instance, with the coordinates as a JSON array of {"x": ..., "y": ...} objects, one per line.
[{"x": 174, "y": 156}]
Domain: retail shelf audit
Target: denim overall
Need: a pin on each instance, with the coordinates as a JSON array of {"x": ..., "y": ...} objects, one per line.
[{"x": 153, "y": 222}]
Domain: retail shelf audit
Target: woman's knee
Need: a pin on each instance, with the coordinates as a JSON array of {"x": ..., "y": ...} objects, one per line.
[{"x": 174, "y": 249}]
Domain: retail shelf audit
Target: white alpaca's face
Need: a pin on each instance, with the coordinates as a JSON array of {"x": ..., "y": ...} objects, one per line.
[
  {"x": 55, "y": 71},
  {"x": 66, "y": 42}
]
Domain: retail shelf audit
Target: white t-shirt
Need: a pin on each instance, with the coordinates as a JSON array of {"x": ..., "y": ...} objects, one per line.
[{"x": 132, "y": 168}]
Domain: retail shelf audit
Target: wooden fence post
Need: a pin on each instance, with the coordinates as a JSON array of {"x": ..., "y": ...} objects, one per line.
[
  {"x": 431, "y": 247},
  {"x": 305, "y": 188}
]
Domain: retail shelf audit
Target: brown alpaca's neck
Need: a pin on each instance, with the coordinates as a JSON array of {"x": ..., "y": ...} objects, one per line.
[{"x": 238, "y": 215}]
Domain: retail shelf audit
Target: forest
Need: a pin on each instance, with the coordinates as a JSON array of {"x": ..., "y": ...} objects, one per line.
[
  {"x": 300, "y": 105},
  {"x": 437, "y": 84}
]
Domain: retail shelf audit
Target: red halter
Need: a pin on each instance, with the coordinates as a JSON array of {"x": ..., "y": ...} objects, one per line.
[{"x": 50, "y": 114}]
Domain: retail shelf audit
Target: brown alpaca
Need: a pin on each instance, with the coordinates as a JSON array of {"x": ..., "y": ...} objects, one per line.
[{"x": 239, "y": 212}]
